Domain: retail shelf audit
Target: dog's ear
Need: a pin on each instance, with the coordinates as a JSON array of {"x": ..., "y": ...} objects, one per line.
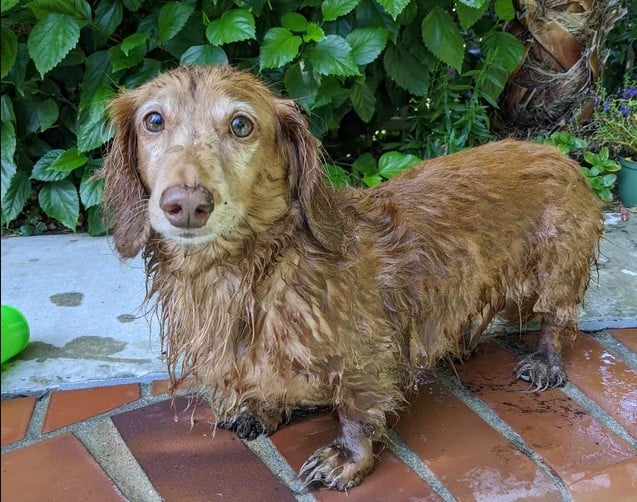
[
  {"x": 301, "y": 150},
  {"x": 125, "y": 198}
]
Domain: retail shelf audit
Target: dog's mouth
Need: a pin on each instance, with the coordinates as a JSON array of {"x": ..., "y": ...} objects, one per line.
[{"x": 189, "y": 238}]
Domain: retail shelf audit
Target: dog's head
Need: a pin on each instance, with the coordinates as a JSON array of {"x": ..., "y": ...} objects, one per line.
[{"x": 203, "y": 154}]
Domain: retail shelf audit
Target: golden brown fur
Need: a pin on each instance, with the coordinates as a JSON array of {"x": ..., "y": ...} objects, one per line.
[{"x": 287, "y": 292}]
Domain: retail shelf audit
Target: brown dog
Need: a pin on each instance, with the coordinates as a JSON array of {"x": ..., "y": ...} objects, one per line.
[{"x": 276, "y": 291}]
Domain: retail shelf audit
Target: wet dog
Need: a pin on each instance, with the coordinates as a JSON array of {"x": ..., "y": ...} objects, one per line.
[{"x": 276, "y": 290}]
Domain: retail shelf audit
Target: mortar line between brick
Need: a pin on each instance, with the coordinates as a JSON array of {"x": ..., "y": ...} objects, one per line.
[
  {"x": 519, "y": 348},
  {"x": 103, "y": 441},
  {"x": 267, "y": 452},
  {"x": 484, "y": 411},
  {"x": 402, "y": 450},
  {"x": 614, "y": 346}
]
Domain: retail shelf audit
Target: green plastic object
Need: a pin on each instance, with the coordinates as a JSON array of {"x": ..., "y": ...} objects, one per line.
[{"x": 15, "y": 332}]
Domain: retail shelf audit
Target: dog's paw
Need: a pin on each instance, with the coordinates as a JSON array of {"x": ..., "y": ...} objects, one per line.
[
  {"x": 334, "y": 467},
  {"x": 245, "y": 425},
  {"x": 543, "y": 371}
]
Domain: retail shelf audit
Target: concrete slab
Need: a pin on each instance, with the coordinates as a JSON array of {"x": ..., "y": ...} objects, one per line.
[
  {"x": 83, "y": 309},
  {"x": 87, "y": 329}
]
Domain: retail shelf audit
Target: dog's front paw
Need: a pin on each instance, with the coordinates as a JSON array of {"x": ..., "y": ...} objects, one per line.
[
  {"x": 245, "y": 425},
  {"x": 542, "y": 370},
  {"x": 335, "y": 467}
]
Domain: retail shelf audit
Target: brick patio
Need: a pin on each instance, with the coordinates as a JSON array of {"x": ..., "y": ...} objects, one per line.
[{"x": 472, "y": 433}]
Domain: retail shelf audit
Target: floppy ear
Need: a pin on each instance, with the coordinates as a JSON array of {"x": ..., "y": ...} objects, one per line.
[
  {"x": 125, "y": 197},
  {"x": 316, "y": 201}
]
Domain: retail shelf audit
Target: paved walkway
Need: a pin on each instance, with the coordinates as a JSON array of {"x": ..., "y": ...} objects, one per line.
[{"x": 85, "y": 414}]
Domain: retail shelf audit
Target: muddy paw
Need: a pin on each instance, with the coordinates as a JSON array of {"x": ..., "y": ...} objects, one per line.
[
  {"x": 245, "y": 425},
  {"x": 334, "y": 467},
  {"x": 542, "y": 371}
]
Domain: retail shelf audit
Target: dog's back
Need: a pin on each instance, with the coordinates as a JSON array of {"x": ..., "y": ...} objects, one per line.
[{"x": 513, "y": 229}]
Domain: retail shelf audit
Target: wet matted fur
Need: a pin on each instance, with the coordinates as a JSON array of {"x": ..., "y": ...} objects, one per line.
[{"x": 275, "y": 290}]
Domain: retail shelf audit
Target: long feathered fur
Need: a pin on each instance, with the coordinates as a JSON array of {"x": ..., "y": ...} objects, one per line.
[{"x": 316, "y": 296}]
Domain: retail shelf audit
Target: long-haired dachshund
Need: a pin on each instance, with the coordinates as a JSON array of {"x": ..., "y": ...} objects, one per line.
[{"x": 276, "y": 291}]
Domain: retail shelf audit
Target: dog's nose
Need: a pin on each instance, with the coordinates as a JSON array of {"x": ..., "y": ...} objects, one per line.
[{"x": 186, "y": 207}]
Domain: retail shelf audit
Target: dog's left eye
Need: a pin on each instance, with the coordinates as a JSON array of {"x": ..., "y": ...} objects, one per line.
[
  {"x": 241, "y": 126},
  {"x": 154, "y": 122}
]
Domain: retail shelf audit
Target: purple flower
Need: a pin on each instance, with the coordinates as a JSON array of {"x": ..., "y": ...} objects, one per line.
[
  {"x": 606, "y": 106},
  {"x": 630, "y": 92},
  {"x": 623, "y": 109}
]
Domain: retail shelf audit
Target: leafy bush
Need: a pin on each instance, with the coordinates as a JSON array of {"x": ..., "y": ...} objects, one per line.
[
  {"x": 598, "y": 167},
  {"x": 375, "y": 76}
]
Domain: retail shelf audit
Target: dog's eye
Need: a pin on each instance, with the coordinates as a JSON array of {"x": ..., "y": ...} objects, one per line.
[
  {"x": 154, "y": 122},
  {"x": 241, "y": 126}
]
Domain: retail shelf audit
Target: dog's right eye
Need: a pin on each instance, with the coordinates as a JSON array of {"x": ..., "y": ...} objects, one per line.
[{"x": 153, "y": 122}]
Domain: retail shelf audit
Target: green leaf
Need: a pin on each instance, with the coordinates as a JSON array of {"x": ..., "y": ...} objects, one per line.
[
  {"x": 48, "y": 114},
  {"x": 365, "y": 165},
  {"x": 505, "y": 48},
  {"x": 59, "y": 200},
  {"x": 93, "y": 129},
  {"x": 97, "y": 224},
  {"x": 301, "y": 84},
  {"x": 475, "y": 4},
  {"x": 363, "y": 100},
  {"x": 121, "y": 61},
  {"x": 16, "y": 197},
  {"x": 333, "y": 9},
  {"x": 504, "y": 9},
  {"x": 336, "y": 175},
  {"x": 609, "y": 180},
  {"x": 279, "y": 47},
  {"x": 605, "y": 194},
  {"x": 91, "y": 190},
  {"x": 203, "y": 55},
  {"x": 8, "y": 151},
  {"x": 392, "y": 163},
  {"x": 394, "y": 7},
  {"x": 172, "y": 18},
  {"x": 69, "y": 160},
  {"x": 332, "y": 56},
  {"x": 404, "y": 69},
  {"x": 149, "y": 69},
  {"x": 366, "y": 44},
  {"x": 132, "y": 5},
  {"x": 8, "y": 141},
  {"x": 294, "y": 21},
  {"x": 9, "y": 48},
  {"x": 42, "y": 169},
  {"x": 313, "y": 33},
  {"x": 468, "y": 16},
  {"x": 6, "y": 109},
  {"x": 233, "y": 26},
  {"x": 442, "y": 37},
  {"x": 108, "y": 16},
  {"x": 51, "y": 39},
  {"x": 372, "y": 180},
  {"x": 79, "y": 9},
  {"x": 132, "y": 41},
  {"x": 7, "y": 5}
]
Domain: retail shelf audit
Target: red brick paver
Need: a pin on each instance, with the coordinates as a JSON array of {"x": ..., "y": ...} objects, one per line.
[{"x": 16, "y": 414}]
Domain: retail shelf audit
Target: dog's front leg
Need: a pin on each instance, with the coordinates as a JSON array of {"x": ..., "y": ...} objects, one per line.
[
  {"x": 254, "y": 420},
  {"x": 346, "y": 461}
]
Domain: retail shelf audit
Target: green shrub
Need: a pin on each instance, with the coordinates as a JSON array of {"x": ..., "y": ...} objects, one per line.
[
  {"x": 411, "y": 77},
  {"x": 598, "y": 168}
]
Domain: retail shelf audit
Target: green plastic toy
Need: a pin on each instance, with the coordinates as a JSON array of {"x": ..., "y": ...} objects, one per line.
[{"x": 15, "y": 332}]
